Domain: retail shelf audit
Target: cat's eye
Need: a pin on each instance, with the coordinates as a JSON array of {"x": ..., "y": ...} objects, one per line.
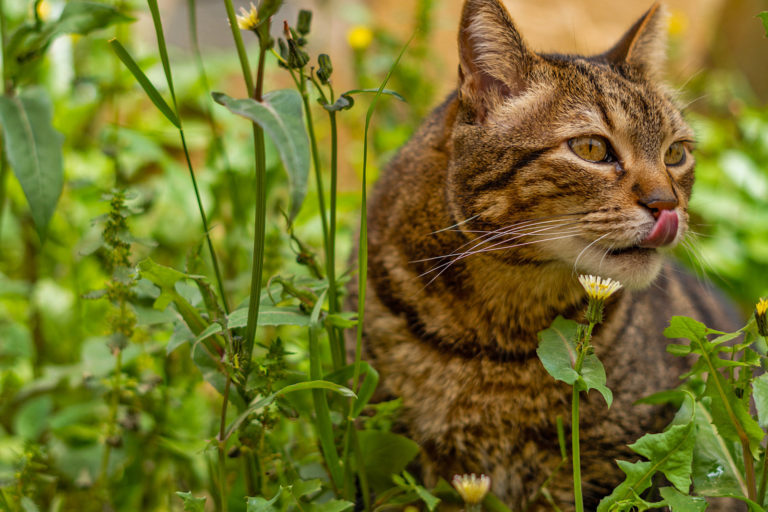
[
  {"x": 675, "y": 154},
  {"x": 591, "y": 148}
]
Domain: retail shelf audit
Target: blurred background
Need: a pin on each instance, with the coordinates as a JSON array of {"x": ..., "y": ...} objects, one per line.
[{"x": 54, "y": 348}]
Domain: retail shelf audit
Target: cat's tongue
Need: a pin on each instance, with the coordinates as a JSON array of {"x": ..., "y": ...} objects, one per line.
[{"x": 664, "y": 231}]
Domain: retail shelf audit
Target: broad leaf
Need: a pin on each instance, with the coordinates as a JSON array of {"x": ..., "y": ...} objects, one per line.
[
  {"x": 259, "y": 504},
  {"x": 330, "y": 506},
  {"x": 715, "y": 469},
  {"x": 638, "y": 480},
  {"x": 33, "y": 148},
  {"x": 671, "y": 452},
  {"x": 593, "y": 373},
  {"x": 557, "y": 350},
  {"x": 385, "y": 454},
  {"x": 282, "y": 117},
  {"x": 760, "y": 394},
  {"x": 270, "y": 315},
  {"x": 84, "y": 17}
]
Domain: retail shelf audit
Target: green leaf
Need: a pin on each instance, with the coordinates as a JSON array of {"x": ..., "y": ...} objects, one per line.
[
  {"x": 557, "y": 350},
  {"x": 637, "y": 480},
  {"x": 330, "y": 506},
  {"x": 764, "y": 18},
  {"x": 383, "y": 91},
  {"x": 760, "y": 394},
  {"x": 492, "y": 503},
  {"x": 33, "y": 148},
  {"x": 715, "y": 471},
  {"x": 427, "y": 497},
  {"x": 671, "y": 452},
  {"x": 678, "y": 350},
  {"x": 282, "y": 117},
  {"x": 260, "y": 403},
  {"x": 730, "y": 415},
  {"x": 367, "y": 388},
  {"x": 385, "y": 454},
  {"x": 259, "y": 504},
  {"x": 679, "y": 502},
  {"x": 166, "y": 278},
  {"x": 301, "y": 488},
  {"x": 684, "y": 327},
  {"x": 27, "y": 505},
  {"x": 84, "y": 17},
  {"x": 144, "y": 82},
  {"x": 270, "y": 315},
  {"x": 593, "y": 373},
  {"x": 191, "y": 503}
]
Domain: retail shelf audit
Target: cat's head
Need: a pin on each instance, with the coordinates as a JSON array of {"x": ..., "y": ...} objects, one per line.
[{"x": 582, "y": 161}]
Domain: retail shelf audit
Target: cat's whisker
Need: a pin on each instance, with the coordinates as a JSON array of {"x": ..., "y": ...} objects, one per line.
[
  {"x": 576, "y": 261},
  {"x": 484, "y": 239},
  {"x": 456, "y": 225},
  {"x": 444, "y": 266},
  {"x": 605, "y": 253}
]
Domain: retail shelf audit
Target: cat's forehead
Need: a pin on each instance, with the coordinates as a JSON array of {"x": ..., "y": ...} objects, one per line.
[{"x": 583, "y": 95}]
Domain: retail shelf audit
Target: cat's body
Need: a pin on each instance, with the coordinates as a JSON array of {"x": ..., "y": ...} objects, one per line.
[{"x": 455, "y": 336}]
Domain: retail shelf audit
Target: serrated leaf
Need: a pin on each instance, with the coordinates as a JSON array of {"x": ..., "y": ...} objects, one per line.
[
  {"x": 684, "y": 327},
  {"x": 33, "y": 148},
  {"x": 557, "y": 350},
  {"x": 84, "y": 17},
  {"x": 191, "y": 503},
  {"x": 637, "y": 480},
  {"x": 671, "y": 452},
  {"x": 679, "y": 502},
  {"x": 760, "y": 394},
  {"x": 281, "y": 115}
]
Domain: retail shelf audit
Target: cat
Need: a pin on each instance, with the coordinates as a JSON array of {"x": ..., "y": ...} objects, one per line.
[{"x": 538, "y": 168}]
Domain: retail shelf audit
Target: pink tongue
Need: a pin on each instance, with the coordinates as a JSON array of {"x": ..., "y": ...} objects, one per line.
[{"x": 664, "y": 231}]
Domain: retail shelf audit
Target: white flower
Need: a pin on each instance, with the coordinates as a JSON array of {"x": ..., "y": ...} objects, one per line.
[
  {"x": 599, "y": 288},
  {"x": 248, "y": 20},
  {"x": 472, "y": 488}
]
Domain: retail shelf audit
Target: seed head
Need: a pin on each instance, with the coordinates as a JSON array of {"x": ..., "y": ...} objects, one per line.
[
  {"x": 472, "y": 488},
  {"x": 760, "y": 317},
  {"x": 248, "y": 20}
]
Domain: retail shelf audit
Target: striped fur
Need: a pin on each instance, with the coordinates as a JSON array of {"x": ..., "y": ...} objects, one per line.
[{"x": 452, "y": 314}]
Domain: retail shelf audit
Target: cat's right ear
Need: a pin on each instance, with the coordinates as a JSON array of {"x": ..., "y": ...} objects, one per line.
[{"x": 493, "y": 59}]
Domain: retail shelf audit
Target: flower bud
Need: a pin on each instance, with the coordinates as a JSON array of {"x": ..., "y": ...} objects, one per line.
[
  {"x": 760, "y": 317},
  {"x": 598, "y": 290},
  {"x": 326, "y": 68},
  {"x": 304, "y": 22}
]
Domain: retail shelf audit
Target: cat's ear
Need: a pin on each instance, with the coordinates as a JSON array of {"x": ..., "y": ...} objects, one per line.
[
  {"x": 493, "y": 59},
  {"x": 644, "y": 45}
]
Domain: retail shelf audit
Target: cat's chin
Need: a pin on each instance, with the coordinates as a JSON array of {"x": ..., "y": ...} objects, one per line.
[{"x": 634, "y": 267}]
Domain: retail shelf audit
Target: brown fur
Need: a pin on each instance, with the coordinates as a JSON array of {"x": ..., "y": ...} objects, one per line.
[{"x": 457, "y": 342}]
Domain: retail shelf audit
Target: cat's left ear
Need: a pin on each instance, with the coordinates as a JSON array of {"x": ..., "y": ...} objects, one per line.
[{"x": 644, "y": 45}]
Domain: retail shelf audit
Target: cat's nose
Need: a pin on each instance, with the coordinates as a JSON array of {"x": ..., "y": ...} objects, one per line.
[{"x": 658, "y": 204}]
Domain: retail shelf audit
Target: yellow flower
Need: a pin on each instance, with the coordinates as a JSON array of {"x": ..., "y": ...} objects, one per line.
[
  {"x": 44, "y": 10},
  {"x": 359, "y": 37},
  {"x": 762, "y": 323},
  {"x": 599, "y": 288},
  {"x": 248, "y": 20},
  {"x": 472, "y": 488},
  {"x": 678, "y": 23}
]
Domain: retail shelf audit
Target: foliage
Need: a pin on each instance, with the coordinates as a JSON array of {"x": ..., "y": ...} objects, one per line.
[{"x": 146, "y": 362}]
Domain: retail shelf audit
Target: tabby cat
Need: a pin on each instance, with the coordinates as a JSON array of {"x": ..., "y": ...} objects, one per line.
[{"x": 540, "y": 167}]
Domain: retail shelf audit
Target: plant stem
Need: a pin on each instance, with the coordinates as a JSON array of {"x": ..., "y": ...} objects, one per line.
[
  {"x": 583, "y": 345},
  {"x": 113, "y": 404},
  {"x": 763, "y": 480},
  {"x": 221, "y": 445},
  {"x": 259, "y": 219},
  {"x": 337, "y": 340}
]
